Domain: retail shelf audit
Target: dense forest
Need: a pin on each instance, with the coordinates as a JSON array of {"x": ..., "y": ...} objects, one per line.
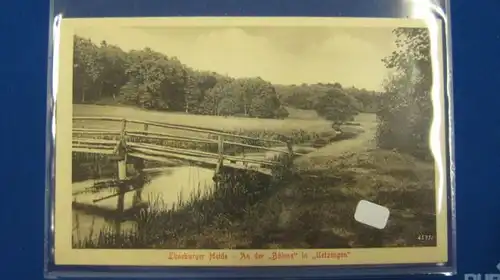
[{"x": 105, "y": 74}]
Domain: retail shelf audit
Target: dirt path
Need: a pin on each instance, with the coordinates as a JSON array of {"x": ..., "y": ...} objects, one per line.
[{"x": 365, "y": 140}]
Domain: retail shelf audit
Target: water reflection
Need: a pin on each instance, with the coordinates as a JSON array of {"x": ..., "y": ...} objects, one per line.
[{"x": 167, "y": 184}]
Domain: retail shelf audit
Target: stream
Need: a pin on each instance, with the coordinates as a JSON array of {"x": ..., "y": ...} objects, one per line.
[{"x": 167, "y": 185}]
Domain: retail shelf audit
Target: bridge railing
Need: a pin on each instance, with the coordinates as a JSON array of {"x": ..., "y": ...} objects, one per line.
[{"x": 157, "y": 140}]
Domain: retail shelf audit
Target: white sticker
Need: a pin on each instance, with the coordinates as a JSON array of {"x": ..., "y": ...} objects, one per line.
[{"x": 371, "y": 214}]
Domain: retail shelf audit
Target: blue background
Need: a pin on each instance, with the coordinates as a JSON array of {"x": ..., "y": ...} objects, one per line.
[{"x": 23, "y": 81}]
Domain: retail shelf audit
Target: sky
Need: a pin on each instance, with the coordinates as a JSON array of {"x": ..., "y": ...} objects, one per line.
[{"x": 350, "y": 56}]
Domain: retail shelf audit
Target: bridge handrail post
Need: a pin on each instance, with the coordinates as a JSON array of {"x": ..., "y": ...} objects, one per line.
[
  {"x": 220, "y": 147},
  {"x": 123, "y": 133},
  {"x": 124, "y": 128},
  {"x": 289, "y": 145},
  {"x": 220, "y": 161},
  {"x": 121, "y": 150}
]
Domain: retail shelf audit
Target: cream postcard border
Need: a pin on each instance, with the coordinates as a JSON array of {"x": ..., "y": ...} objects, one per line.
[{"x": 66, "y": 255}]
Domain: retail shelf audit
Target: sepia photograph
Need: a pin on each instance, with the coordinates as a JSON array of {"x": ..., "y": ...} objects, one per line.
[{"x": 233, "y": 137}]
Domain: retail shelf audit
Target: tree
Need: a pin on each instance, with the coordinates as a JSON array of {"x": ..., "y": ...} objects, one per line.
[
  {"x": 147, "y": 70},
  {"x": 260, "y": 98},
  {"x": 248, "y": 92},
  {"x": 113, "y": 66},
  {"x": 368, "y": 100},
  {"x": 86, "y": 68},
  {"x": 229, "y": 98},
  {"x": 337, "y": 106},
  {"x": 164, "y": 81},
  {"x": 199, "y": 83},
  {"x": 406, "y": 107},
  {"x": 176, "y": 85},
  {"x": 193, "y": 95},
  {"x": 213, "y": 97}
]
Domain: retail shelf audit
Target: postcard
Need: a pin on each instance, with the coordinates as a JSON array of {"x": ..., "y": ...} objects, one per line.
[{"x": 226, "y": 141}]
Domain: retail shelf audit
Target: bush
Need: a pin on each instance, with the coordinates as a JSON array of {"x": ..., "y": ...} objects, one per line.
[
  {"x": 405, "y": 111},
  {"x": 405, "y": 127},
  {"x": 282, "y": 113}
]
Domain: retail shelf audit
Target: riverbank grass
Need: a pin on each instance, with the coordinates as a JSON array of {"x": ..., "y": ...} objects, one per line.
[
  {"x": 299, "y": 209},
  {"x": 316, "y": 210}
]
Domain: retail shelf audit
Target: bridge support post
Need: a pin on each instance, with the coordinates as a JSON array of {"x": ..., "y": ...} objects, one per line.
[
  {"x": 289, "y": 146},
  {"x": 122, "y": 169},
  {"x": 122, "y": 175},
  {"x": 220, "y": 151},
  {"x": 120, "y": 207},
  {"x": 138, "y": 164}
]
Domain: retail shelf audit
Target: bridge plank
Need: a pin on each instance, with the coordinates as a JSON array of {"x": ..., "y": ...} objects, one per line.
[
  {"x": 95, "y": 130},
  {"x": 249, "y": 160},
  {"x": 93, "y": 146},
  {"x": 91, "y": 150},
  {"x": 94, "y": 141},
  {"x": 201, "y": 161},
  {"x": 256, "y": 147},
  {"x": 172, "y": 154},
  {"x": 166, "y": 155},
  {"x": 171, "y": 149},
  {"x": 166, "y": 136},
  {"x": 145, "y": 147}
]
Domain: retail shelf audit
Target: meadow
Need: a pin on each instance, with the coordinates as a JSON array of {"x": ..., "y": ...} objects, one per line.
[
  {"x": 305, "y": 132},
  {"x": 292, "y": 123}
]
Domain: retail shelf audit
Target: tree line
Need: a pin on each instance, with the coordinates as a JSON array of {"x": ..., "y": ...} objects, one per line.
[
  {"x": 330, "y": 100},
  {"x": 148, "y": 79},
  {"x": 104, "y": 73}
]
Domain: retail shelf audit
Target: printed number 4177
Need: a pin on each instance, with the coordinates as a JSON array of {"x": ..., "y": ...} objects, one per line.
[{"x": 425, "y": 237}]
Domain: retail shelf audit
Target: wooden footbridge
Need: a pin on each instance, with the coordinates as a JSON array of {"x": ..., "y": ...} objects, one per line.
[
  {"x": 163, "y": 142},
  {"x": 136, "y": 141}
]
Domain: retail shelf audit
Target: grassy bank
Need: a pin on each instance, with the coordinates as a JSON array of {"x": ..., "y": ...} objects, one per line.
[
  {"x": 295, "y": 209},
  {"x": 231, "y": 123}
]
